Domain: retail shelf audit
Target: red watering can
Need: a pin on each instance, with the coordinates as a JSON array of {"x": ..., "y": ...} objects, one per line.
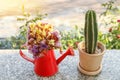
[{"x": 47, "y": 64}]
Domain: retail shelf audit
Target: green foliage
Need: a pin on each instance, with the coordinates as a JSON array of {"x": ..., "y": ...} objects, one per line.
[
  {"x": 110, "y": 8},
  {"x": 72, "y": 37},
  {"x": 109, "y": 20},
  {"x": 91, "y": 31},
  {"x": 111, "y": 39},
  {"x": 14, "y": 42}
]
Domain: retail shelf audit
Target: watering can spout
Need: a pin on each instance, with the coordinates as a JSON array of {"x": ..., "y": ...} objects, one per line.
[{"x": 68, "y": 52}]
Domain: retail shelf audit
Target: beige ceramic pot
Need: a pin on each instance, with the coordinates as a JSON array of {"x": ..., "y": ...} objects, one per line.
[{"x": 90, "y": 64}]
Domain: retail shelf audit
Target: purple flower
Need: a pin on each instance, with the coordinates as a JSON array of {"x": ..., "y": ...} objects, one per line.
[
  {"x": 43, "y": 45},
  {"x": 35, "y": 49}
]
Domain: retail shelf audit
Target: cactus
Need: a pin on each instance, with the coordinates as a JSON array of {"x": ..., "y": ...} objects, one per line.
[{"x": 91, "y": 32}]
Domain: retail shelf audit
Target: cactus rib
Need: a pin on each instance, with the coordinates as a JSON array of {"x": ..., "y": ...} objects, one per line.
[{"x": 91, "y": 31}]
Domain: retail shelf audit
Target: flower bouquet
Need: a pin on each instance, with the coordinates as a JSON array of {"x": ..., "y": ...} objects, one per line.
[{"x": 41, "y": 37}]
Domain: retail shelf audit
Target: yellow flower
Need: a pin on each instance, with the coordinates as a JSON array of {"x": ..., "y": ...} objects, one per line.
[
  {"x": 32, "y": 26},
  {"x": 39, "y": 23},
  {"x": 48, "y": 28},
  {"x": 51, "y": 42},
  {"x": 38, "y": 39},
  {"x": 38, "y": 31},
  {"x": 44, "y": 33}
]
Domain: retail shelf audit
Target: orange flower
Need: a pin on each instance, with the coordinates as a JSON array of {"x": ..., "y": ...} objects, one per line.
[{"x": 118, "y": 36}]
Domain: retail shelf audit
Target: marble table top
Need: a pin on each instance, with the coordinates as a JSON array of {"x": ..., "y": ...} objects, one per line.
[{"x": 14, "y": 67}]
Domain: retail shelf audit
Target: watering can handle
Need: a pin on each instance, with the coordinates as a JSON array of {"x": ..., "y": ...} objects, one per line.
[{"x": 25, "y": 57}]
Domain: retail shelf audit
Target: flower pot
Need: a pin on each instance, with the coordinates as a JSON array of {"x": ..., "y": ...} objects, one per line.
[{"x": 90, "y": 64}]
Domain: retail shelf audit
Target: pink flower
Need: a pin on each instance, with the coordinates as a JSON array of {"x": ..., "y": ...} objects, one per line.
[
  {"x": 57, "y": 44},
  {"x": 56, "y": 35},
  {"x": 118, "y": 20}
]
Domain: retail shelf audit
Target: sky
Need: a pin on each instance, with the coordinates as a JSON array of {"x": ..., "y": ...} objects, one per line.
[{"x": 13, "y": 7}]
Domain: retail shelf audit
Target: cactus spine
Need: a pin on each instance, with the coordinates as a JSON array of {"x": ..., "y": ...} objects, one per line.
[{"x": 91, "y": 32}]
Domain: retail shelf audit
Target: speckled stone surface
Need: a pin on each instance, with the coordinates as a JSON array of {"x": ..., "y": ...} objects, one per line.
[{"x": 13, "y": 67}]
